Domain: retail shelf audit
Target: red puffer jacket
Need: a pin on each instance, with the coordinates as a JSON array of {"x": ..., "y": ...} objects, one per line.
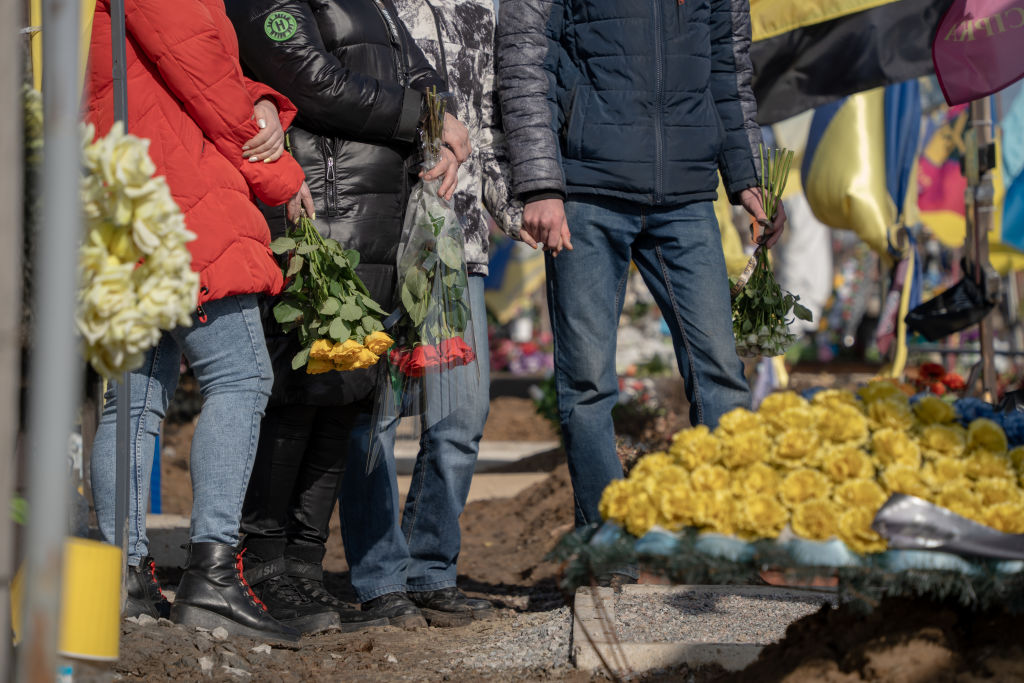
[{"x": 186, "y": 93}]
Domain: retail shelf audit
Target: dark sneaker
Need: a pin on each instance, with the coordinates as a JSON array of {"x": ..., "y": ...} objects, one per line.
[
  {"x": 285, "y": 602},
  {"x": 397, "y": 609},
  {"x": 214, "y": 593},
  {"x": 450, "y": 607},
  {"x": 308, "y": 580},
  {"x": 144, "y": 594}
]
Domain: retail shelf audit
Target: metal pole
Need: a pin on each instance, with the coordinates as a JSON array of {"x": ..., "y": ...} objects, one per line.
[
  {"x": 56, "y": 372},
  {"x": 10, "y": 308},
  {"x": 122, "y": 486},
  {"x": 982, "y": 201}
]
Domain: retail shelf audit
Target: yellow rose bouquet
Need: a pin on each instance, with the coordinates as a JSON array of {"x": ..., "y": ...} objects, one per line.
[{"x": 326, "y": 303}]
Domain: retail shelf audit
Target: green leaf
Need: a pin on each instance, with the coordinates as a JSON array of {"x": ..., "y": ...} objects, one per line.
[
  {"x": 802, "y": 312},
  {"x": 296, "y": 284},
  {"x": 325, "y": 328},
  {"x": 353, "y": 257},
  {"x": 451, "y": 279},
  {"x": 417, "y": 282},
  {"x": 371, "y": 324},
  {"x": 334, "y": 287},
  {"x": 286, "y": 313},
  {"x": 409, "y": 300},
  {"x": 330, "y": 306},
  {"x": 332, "y": 244},
  {"x": 350, "y": 311},
  {"x": 282, "y": 245},
  {"x": 340, "y": 260},
  {"x": 19, "y": 510},
  {"x": 419, "y": 312},
  {"x": 449, "y": 251},
  {"x": 339, "y": 330},
  {"x": 306, "y": 248},
  {"x": 370, "y": 305},
  {"x": 300, "y": 359},
  {"x": 295, "y": 265}
]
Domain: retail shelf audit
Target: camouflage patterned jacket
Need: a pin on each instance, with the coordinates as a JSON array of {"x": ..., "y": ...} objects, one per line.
[{"x": 457, "y": 36}]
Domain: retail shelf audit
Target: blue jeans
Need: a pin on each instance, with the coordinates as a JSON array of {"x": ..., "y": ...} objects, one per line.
[
  {"x": 229, "y": 357},
  {"x": 421, "y": 552},
  {"x": 678, "y": 251}
]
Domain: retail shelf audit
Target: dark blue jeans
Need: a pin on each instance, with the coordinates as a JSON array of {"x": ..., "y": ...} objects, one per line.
[
  {"x": 420, "y": 552},
  {"x": 678, "y": 251}
]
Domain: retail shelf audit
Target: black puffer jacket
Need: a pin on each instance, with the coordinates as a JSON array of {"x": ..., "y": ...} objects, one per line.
[{"x": 357, "y": 79}]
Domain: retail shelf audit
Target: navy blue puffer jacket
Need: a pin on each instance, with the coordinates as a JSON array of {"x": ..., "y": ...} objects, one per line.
[{"x": 644, "y": 100}]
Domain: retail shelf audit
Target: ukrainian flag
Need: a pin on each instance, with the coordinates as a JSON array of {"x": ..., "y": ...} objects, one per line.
[{"x": 858, "y": 168}]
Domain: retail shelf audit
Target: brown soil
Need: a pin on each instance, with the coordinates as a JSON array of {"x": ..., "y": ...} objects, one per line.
[
  {"x": 900, "y": 641},
  {"x": 515, "y": 419}
]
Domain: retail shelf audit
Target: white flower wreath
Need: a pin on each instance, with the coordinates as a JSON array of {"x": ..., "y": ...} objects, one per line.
[{"x": 136, "y": 272}]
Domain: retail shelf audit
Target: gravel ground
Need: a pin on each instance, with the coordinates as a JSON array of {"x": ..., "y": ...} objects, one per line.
[
  {"x": 539, "y": 640},
  {"x": 708, "y": 617}
]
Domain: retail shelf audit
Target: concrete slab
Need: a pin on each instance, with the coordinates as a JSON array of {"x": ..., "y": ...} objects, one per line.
[
  {"x": 492, "y": 453},
  {"x": 597, "y": 627}
]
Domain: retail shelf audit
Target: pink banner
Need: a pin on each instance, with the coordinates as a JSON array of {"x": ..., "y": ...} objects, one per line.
[{"x": 979, "y": 48}]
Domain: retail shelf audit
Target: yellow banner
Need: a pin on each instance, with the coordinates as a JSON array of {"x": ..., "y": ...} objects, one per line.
[
  {"x": 36, "y": 44},
  {"x": 770, "y": 18}
]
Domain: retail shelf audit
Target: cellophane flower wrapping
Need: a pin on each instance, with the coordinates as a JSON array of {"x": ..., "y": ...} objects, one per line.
[{"x": 431, "y": 369}]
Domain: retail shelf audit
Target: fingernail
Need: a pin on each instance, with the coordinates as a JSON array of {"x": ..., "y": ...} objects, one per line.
[
  {"x": 246, "y": 148},
  {"x": 263, "y": 123},
  {"x": 266, "y": 161},
  {"x": 254, "y": 158},
  {"x": 313, "y": 217}
]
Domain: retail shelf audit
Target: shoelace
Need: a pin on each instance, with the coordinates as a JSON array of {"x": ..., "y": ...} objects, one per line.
[
  {"x": 319, "y": 593},
  {"x": 287, "y": 590},
  {"x": 152, "y": 579},
  {"x": 240, "y": 568}
]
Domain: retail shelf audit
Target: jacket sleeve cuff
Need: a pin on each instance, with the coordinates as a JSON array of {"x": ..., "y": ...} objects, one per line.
[
  {"x": 412, "y": 110},
  {"x": 538, "y": 195}
]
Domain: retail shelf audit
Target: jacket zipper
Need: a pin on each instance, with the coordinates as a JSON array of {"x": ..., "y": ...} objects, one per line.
[
  {"x": 396, "y": 42},
  {"x": 440, "y": 44},
  {"x": 330, "y": 186},
  {"x": 659, "y": 105}
]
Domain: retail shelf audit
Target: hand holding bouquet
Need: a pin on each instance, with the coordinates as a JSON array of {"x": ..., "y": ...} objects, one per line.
[
  {"x": 760, "y": 309},
  {"x": 325, "y": 302}
]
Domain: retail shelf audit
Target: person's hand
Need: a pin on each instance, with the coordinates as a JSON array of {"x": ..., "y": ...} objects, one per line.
[
  {"x": 456, "y": 137},
  {"x": 750, "y": 198},
  {"x": 268, "y": 145},
  {"x": 544, "y": 221},
  {"x": 302, "y": 200},
  {"x": 448, "y": 170}
]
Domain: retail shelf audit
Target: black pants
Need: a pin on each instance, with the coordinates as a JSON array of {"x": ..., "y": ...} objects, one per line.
[{"x": 295, "y": 481}]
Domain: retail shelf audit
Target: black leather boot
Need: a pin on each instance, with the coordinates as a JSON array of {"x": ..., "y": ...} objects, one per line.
[
  {"x": 397, "y": 609},
  {"x": 285, "y": 602},
  {"x": 450, "y": 606},
  {"x": 213, "y": 592},
  {"x": 308, "y": 579},
  {"x": 144, "y": 594}
]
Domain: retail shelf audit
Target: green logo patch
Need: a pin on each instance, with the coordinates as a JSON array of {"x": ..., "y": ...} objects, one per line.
[{"x": 280, "y": 26}]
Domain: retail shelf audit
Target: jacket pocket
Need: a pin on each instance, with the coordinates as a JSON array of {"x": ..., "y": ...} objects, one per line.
[{"x": 577, "y": 117}]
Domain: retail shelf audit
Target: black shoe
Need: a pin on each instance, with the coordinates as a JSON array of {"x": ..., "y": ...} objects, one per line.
[
  {"x": 308, "y": 580},
  {"x": 450, "y": 607},
  {"x": 213, "y": 592},
  {"x": 144, "y": 594},
  {"x": 272, "y": 585},
  {"x": 397, "y": 609}
]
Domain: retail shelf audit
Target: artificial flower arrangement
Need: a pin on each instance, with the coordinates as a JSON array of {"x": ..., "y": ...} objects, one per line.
[
  {"x": 819, "y": 469},
  {"x": 760, "y": 309},
  {"x": 136, "y": 276},
  {"x": 326, "y": 303}
]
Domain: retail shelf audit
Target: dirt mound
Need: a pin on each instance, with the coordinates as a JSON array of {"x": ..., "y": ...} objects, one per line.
[
  {"x": 504, "y": 543},
  {"x": 900, "y": 640}
]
